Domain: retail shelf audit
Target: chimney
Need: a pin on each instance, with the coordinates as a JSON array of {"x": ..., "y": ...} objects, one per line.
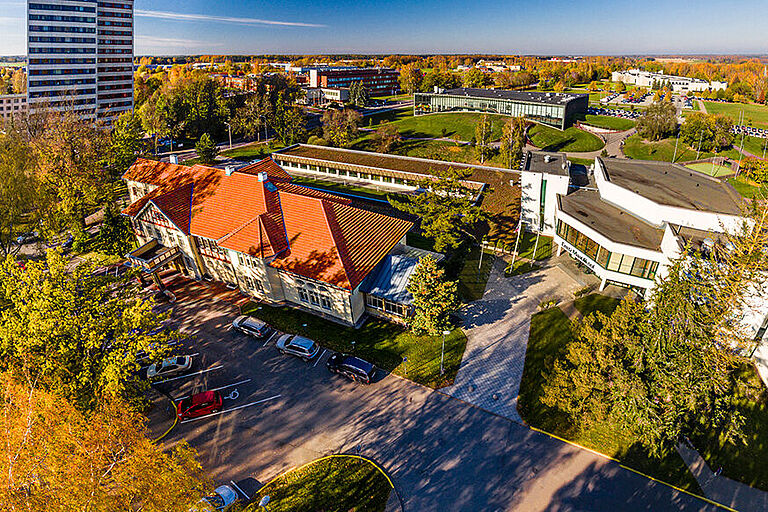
[
  {"x": 174, "y": 159},
  {"x": 228, "y": 170},
  {"x": 263, "y": 176}
]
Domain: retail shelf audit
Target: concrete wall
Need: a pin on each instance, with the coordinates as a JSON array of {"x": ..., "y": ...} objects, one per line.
[{"x": 530, "y": 200}]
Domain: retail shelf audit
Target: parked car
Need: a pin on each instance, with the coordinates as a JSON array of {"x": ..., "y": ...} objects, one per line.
[
  {"x": 221, "y": 499},
  {"x": 298, "y": 346},
  {"x": 199, "y": 404},
  {"x": 252, "y": 326},
  {"x": 351, "y": 367},
  {"x": 26, "y": 238},
  {"x": 170, "y": 367}
]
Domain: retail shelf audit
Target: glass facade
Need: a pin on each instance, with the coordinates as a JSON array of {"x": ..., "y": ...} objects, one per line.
[
  {"x": 551, "y": 115},
  {"x": 613, "y": 261}
]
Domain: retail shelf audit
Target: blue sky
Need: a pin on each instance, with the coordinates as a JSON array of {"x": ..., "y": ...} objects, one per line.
[{"x": 433, "y": 26}]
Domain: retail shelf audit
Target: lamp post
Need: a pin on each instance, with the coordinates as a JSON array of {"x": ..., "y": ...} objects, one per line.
[
  {"x": 442, "y": 352},
  {"x": 264, "y": 502},
  {"x": 229, "y": 127}
]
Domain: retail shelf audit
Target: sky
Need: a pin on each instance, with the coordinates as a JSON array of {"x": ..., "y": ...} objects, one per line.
[{"x": 554, "y": 27}]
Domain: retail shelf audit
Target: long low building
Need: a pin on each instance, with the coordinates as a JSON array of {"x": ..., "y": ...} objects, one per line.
[
  {"x": 625, "y": 220},
  {"x": 681, "y": 84},
  {"x": 559, "y": 110}
]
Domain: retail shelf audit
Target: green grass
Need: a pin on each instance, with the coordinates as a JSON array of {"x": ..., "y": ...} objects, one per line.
[
  {"x": 755, "y": 115},
  {"x": 754, "y": 145},
  {"x": 570, "y": 140},
  {"x": 338, "y": 484},
  {"x": 586, "y": 162},
  {"x": 394, "y": 97},
  {"x": 550, "y": 332},
  {"x": 454, "y": 124},
  {"x": 378, "y": 341},
  {"x": 596, "y": 302},
  {"x": 253, "y": 151},
  {"x": 528, "y": 244},
  {"x": 389, "y": 116},
  {"x": 663, "y": 150},
  {"x": 748, "y": 189},
  {"x": 706, "y": 168},
  {"x": 473, "y": 277},
  {"x": 609, "y": 122}
]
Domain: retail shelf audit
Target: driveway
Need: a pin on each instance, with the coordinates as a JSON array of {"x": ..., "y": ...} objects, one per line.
[
  {"x": 497, "y": 328},
  {"x": 443, "y": 454}
]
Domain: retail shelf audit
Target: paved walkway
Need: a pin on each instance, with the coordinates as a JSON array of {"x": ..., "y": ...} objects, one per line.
[
  {"x": 497, "y": 328},
  {"x": 722, "y": 489}
]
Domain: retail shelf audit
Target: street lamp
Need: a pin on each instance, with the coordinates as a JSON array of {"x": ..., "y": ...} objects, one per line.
[
  {"x": 442, "y": 352},
  {"x": 263, "y": 502},
  {"x": 229, "y": 127}
]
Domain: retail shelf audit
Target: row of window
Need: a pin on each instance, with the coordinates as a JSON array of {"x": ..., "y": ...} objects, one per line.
[
  {"x": 56, "y": 17},
  {"x": 69, "y": 71},
  {"x": 56, "y": 61},
  {"x": 71, "y": 30},
  {"x": 315, "y": 295},
  {"x": 210, "y": 248},
  {"x": 69, "y": 51},
  {"x": 613, "y": 261},
  {"x": 106, "y": 23},
  {"x": 54, "y": 94},
  {"x": 54, "y": 7},
  {"x": 55, "y": 39},
  {"x": 351, "y": 174},
  {"x": 60, "y": 83},
  {"x": 389, "y": 307},
  {"x": 113, "y": 5}
]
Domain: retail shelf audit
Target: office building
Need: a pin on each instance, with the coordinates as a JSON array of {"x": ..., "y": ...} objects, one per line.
[
  {"x": 80, "y": 56},
  {"x": 378, "y": 81},
  {"x": 12, "y": 105},
  {"x": 680, "y": 84},
  {"x": 558, "y": 110}
]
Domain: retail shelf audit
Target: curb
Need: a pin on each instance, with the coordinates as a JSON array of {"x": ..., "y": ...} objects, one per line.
[{"x": 175, "y": 420}]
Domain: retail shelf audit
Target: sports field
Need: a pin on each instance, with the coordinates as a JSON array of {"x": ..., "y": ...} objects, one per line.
[
  {"x": 711, "y": 170},
  {"x": 755, "y": 115}
]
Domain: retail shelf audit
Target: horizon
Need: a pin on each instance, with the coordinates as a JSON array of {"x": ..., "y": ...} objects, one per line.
[{"x": 299, "y": 27}]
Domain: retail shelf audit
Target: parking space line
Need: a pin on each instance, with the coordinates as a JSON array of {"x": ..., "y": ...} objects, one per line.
[
  {"x": 269, "y": 339},
  {"x": 234, "y": 408},
  {"x": 219, "y": 389},
  {"x": 190, "y": 374},
  {"x": 319, "y": 358},
  {"x": 247, "y": 498}
]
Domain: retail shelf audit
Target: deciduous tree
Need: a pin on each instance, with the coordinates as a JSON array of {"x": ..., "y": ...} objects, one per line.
[
  {"x": 358, "y": 94},
  {"x": 483, "y": 136},
  {"x": 513, "y": 142},
  {"x": 19, "y": 201},
  {"x": 434, "y": 298},
  {"x": 708, "y": 132},
  {"x": 386, "y": 137},
  {"x": 340, "y": 126},
  {"x": 658, "y": 121},
  {"x": 115, "y": 235},
  {"x": 125, "y": 144},
  {"x": 410, "y": 78}
]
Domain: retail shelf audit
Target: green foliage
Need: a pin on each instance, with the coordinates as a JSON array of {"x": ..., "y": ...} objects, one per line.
[
  {"x": 708, "y": 132},
  {"x": 434, "y": 298},
  {"x": 755, "y": 169},
  {"x": 125, "y": 143},
  {"x": 386, "y": 137},
  {"x": 476, "y": 78},
  {"x": 358, "y": 94},
  {"x": 513, "y": 142},
  {"x": 658, "y": 121},
  {"x": 115, "y": 237},
  {"x": 18, "y": 186},
  {"x": 287, "y": 120},
  {"x": 483, "y": 137},
  {"x": 410, "y": 78},
  {"x": 340, "y": 126},
  {"x": 446, "y": 208},
  {"x": 77, "y": 334},
  {"x": 206, "y": 149},
  {"x": 251, "y": 119}
]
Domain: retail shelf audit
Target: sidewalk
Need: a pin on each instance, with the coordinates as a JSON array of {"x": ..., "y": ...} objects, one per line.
[{"x": 722, "y": 489}]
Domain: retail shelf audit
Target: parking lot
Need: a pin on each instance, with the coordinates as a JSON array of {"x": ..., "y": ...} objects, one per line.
[{"x": 442, "y": 453}]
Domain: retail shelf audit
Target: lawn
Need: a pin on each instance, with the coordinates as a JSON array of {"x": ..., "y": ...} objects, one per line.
[
  {"x": 596, "y": 302},
  {"x": 754, "y": 115},
  {"x": 710, "y": 170},
  {"x": 389, "y": 116},
  {"x": 528, "y": 244},
  {"x": 586, "y": 162},
  {"x": 453, "y": 125},
  {"x": 474, "y": 276},
  {"x": 570, "y": 140},
  {"x": 336, "y": 483},
  {"x": 754, "y": 145},
  {"x": 637, "y": 148},
  {"x": 549, "y": 334},
  {"x": 747, "y": 188},
  {"x": 253, "y": 151},
  {"x": 378, "y": 341},
  {"x": 394, "y": 97},
  {"x": 609, "y": 122}
]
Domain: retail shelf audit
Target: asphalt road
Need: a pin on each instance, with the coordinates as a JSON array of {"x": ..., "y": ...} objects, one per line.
[{"x": 443, "y": 454}]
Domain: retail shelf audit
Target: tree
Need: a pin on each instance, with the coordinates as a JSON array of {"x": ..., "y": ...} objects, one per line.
[
  {"x": 75, "y": 333},
  {"x": 476, "y": 78},
  {"x": 434, "y": 298},
  {"x": 251, "y": 118},
  {"x": 483, "y": 136},
  {"x": 287, "y": 120},
  {"x": 55, "y": 458},
  {"x": 620, "y": 87},
  {"x": 658, "y": 121},
  {"x": 358, "y": 94},
  {"x": 115, "y": 235},
  {"x": 410, "y": 78},
  {"x": 559, "y": 86},
  {"x": 152, "y": 120},
  {"x": 670, "y": 367},
  {"x": 707, "y": 132},
  {"x": 206, "y": 149},
  {"x": 125, "y": 141},
  {"x": 19, "y": 82},
  {"x": 593, "y": 86},
  {"x": 513, "y": 142},
  {"x": 386, "y": 137},
  {"x": 755, "y": 169},
  {"x": 340, "y": 126},
  {"x": 446, "y": 208},
  {"x": 18, "y": 188}
]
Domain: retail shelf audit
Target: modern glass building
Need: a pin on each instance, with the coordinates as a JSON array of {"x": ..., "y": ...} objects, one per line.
[{"x": 558, "y": 110}]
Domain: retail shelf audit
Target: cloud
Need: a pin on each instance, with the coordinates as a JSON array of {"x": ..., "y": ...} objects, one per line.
[
  {"x": 168, "y": 42},
  {"x": 178, "y": 16}
]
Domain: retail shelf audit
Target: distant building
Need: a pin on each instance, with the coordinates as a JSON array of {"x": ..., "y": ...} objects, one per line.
[
  {"x": 681, "y": 84},
  {"x": 377, "y": 80},
  {"x": 325, "y": 95},
  {"x": 558, "y": 110},
  {"x": 12, "y": 105},
  {"x": 81, "y": 56}
]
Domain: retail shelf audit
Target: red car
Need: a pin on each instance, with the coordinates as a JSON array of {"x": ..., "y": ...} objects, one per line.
[{"x": 201, "y": 404}]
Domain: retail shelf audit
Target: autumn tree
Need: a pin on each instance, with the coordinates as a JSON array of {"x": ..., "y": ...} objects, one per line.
[
  {"x": 358, "y": 94},
  {"x": 513, "y": 142},
  {"x": 19, "y": 201},
  {"x": 483, "y": 137},
  {"x": 125, "y": 144},
  {"x": 755, "y": 169},
  {"x": 386, "y": 137},
  {"x": 55, "y": 458},
  {"x": 658, "y": 121},
  {"x": 19, "y": 82},
  {"x": 707, "y": 132},
  {"x": 476, "y": 78},
  {"x": 434, "y": 298},
  {"x": 446, "y": 208},
  {"x": 251, "y": 118},
  {"x": 340, "y": 126},
  {"x": 115, "y": 236},
  {"x": 77, "y": 334},
  {"x": 410, "y": 78}
]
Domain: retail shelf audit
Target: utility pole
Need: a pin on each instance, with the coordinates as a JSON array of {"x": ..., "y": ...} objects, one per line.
[
  {"x": 674, "y": 157},
  {"x": 698, "y": 150}
]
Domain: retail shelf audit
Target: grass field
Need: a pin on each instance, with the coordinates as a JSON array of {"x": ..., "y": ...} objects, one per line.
[
  {"x": 337, "y": 483},
  {"x": 459, "y": 125},
  {"x": 609, "y": 122},
  {"x": 705, "y": 168},
  {"x": 253, "y": 151},
  {"x": 755, "y": 115},
  {"x": 754, "y": 145},
  {"x": 663, "y": 150},
  {"x": 748, "y": 189},
  {"x": 474, "y": 274},
  {"x": 570, "y": 140},
  {"x": 380, "y": 342}
]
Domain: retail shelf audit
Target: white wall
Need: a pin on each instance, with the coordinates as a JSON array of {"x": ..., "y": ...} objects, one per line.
[{"x": 530, "y": 199}]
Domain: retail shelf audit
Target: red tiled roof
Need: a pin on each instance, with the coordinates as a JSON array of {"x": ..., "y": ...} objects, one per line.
[
  {"x": 274, "y": 171},
  {"x": 310, "y": 233}
]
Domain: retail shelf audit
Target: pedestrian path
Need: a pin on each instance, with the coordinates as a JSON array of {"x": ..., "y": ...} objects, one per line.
[{"x": 720, "y": 488}]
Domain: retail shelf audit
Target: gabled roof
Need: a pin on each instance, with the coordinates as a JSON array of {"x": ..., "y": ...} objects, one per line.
[{"x": 175, "y": 205}]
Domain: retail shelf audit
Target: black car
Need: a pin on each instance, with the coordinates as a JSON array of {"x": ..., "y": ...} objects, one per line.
[{"x": 351, "y": 367}]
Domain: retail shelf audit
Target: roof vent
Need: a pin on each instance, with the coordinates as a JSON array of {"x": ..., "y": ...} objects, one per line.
[
  {"x": 263, "y": 176},
  {"x": 547, "y": 159},
  {"x": 228, "y": 170},
  {"x": 174, "y": 159}
]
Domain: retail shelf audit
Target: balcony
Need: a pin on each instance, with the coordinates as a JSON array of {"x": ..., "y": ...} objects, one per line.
[{"x": 152, "y": 255}]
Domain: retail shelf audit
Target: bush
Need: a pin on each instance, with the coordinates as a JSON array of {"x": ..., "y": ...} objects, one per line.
[
  {"x": 582, "y": 291},
  {"x": 547, "y": 303},
  {"x": 317, "y": 141},
  {"x": 206, "y": 149}
]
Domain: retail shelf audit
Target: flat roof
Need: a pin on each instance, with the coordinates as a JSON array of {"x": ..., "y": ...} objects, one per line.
[
  {"x": 546, "y": 162},
  {"x": 550, "y": 98},
  {"x": 673, "y": 185},
  {"x": 611, "y": 222}
]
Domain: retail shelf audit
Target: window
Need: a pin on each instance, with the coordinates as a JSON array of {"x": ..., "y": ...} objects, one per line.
[{"x": 316, "y": 296}]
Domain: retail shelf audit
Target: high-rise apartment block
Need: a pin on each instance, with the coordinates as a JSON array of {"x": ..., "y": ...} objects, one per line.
[{"x": 81, "y": 56}]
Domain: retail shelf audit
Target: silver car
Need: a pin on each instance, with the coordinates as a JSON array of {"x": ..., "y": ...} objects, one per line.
[
  {"x": 170, "y": 367},
  {"x": 221, "y": 499},
  {"x": 298, "y": 346},
  {"x": 252, "y": 326}
]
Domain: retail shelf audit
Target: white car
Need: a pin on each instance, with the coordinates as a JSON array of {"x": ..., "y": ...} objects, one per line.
[
  {"x": 170, "y": 367},
  {"x": 221, "y": 499},
  {"x": 298, "y": 346}
]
